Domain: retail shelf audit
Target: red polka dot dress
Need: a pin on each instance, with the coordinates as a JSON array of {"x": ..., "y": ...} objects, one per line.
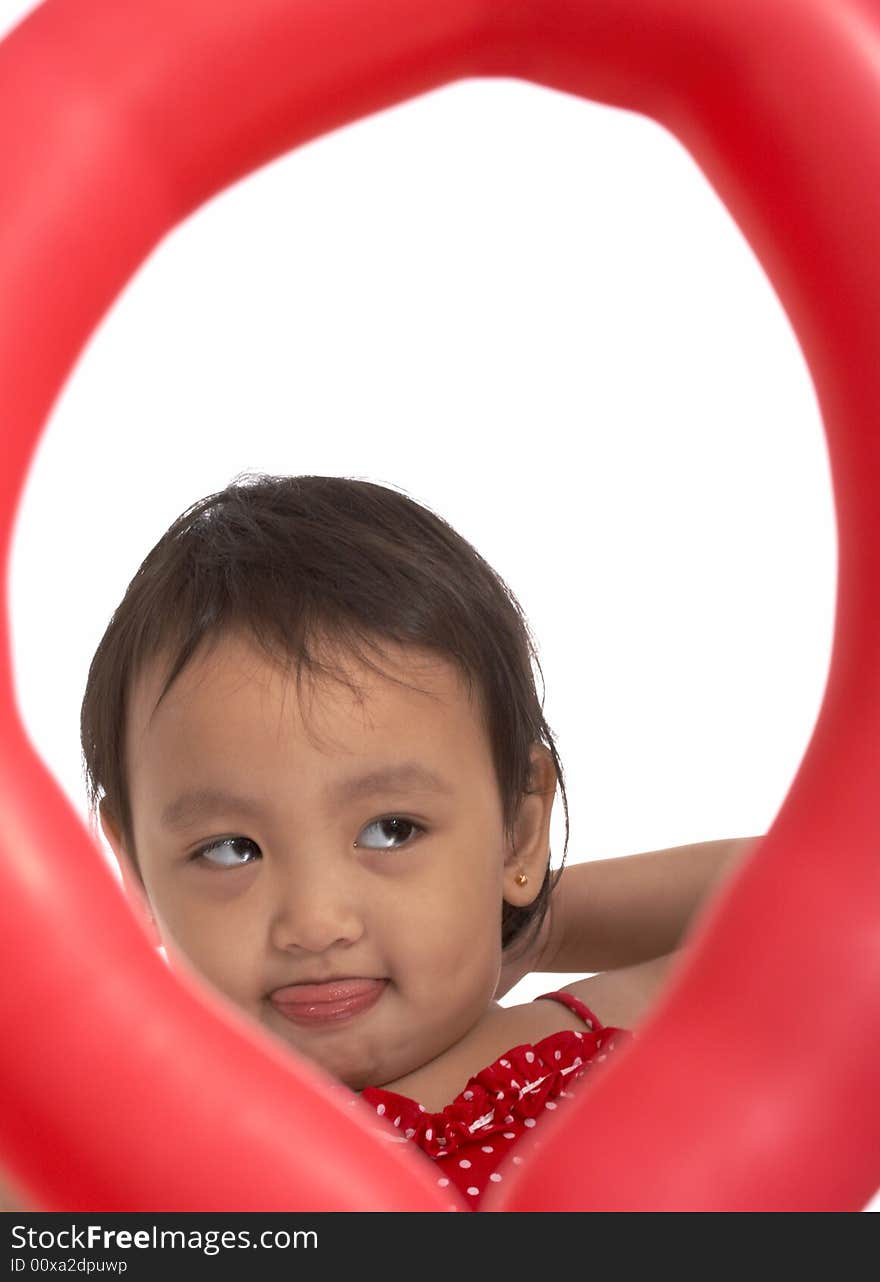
[{"x": 476, "y": 1133}]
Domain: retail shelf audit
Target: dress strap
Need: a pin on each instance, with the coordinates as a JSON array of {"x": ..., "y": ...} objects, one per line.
[{"x": 575, "y": 1004}]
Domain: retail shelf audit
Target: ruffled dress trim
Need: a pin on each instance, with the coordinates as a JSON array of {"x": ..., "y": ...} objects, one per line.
[{"x": 517, "y": 1086}]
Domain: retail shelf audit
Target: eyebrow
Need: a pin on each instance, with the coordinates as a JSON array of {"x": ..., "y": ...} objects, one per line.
[{"x": 408, "y": 776}]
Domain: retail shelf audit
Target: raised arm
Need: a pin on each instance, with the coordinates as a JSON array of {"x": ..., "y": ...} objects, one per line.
[{"x": 609, "y": 913}]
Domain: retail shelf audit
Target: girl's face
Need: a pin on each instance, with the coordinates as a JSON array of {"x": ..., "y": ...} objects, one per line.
[{"x": 285, "y": 896}]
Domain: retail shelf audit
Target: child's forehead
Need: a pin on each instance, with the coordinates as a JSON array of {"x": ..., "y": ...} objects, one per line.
[
  {"x": 402, "y": 673},
  {"x": 220, "y": 719}
]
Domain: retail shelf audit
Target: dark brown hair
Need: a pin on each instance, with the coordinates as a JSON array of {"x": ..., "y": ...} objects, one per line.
[{"x": 296, "y": 560}]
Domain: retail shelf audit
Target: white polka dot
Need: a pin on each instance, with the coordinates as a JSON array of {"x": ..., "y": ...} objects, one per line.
[
  {"x": 510, "y": 1135},
  {"x": 495, "y": 1177},
  {"x": 579, "y": 1036},
  {"x": 473, "y": 1192},
  {"x": 514, "y": 1083},
  {"x": 557, "y": 1054},
  {"x": 578, "y": 1061},
  {"x": 530, "y": 1057},
  {"x": 468, "y": 1095},
  {"x": 380, "y": 1109},
  {"x": 550, "y": 1104},
  {"x": 443, "y": 1182},
  {"x": 530, "y": 1121},
  {"x": 517, "y": 1161},
  {"x": 487, "y": 1148},
  {"x": 500, "y": 1095},
  {"x": 509, "y": 1117},
  {"x": 410, "y": 1133},
  {"x": 465, "y": 1163},
  {"x": 422, "y": 1108},
  {"x": 505, "y": 1063},
  {"x": 429, "y": 1134},
  {"x": 589, "y": 1024},
  {"x": 397, "y": 1121}
]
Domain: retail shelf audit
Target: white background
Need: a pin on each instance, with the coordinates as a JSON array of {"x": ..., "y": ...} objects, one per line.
[{"x": 534, "y": 314}]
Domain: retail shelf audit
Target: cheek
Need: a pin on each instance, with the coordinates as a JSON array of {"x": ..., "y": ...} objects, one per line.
[
  {"x": 230, "y": 973},
  {"x": 210, "y": 941},
  {"x": 455, "y": 937}
]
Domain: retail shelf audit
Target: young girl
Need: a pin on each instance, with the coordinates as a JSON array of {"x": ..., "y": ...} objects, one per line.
[{"x": 362, "y": 863}]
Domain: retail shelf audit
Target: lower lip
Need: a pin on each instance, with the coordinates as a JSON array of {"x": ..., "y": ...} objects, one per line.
[{"x": 312, "y": 1013}]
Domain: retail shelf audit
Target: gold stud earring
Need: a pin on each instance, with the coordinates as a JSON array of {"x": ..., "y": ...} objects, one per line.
[{"x": 521, "y": 879}]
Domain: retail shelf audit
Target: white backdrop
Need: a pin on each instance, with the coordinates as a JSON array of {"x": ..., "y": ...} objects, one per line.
[{"x": 535, "y": 315}]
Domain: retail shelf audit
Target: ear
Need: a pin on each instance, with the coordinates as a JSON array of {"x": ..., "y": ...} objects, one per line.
[
  {"x": 530, "y": 852},
  {"x": 132, "y": 882}
]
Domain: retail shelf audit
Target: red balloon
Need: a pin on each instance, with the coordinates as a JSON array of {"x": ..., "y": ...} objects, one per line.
[{"x": 755, "y": 1083}]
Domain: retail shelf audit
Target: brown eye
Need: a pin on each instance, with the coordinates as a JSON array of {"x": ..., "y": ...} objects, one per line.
[
  {"x": 231, "y": 845},
  {"x": 391, "y": 829}
]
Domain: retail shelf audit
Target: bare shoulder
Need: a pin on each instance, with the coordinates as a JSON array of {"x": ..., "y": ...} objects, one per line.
[
  {"x": 622, "y": 998},
  {"x": 618, "y": 998}
]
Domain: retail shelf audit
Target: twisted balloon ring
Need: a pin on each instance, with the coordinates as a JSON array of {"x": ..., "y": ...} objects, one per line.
[{"x": 117, "y": 120}]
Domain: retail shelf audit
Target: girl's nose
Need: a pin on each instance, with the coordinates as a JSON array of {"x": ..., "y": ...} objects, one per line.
[{"x": 313, "y": 909}]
